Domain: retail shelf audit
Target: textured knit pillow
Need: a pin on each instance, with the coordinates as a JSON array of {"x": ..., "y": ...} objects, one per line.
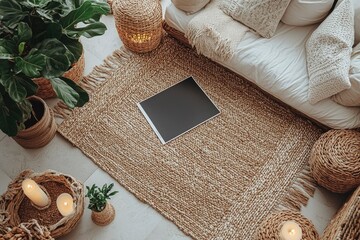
[
  {"x": 261, "y": 15},
  {"x": 190, "y": 6},
  {"x": 302, "y": 13},
  {"x": 328, "y": 53},
  {"x": 351, "y": 96}
]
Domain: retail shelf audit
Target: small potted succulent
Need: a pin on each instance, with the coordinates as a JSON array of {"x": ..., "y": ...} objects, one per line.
[{"x": 103, "y": 213}]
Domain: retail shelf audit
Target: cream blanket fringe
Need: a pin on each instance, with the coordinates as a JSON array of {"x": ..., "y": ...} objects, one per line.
[{"x": 215, "y": 34}]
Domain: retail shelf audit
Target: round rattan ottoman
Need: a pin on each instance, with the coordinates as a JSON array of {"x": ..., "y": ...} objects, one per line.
[
  {"x": 270, "y": 227},
  {"x": 138, "y": 23},
  {"x": 335, "y": 160}
]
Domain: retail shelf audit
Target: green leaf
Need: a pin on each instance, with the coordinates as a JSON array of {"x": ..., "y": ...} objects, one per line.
[
  {"x": 90, "y": 30},
  {"x": 30, "y": 86},
  {"x": 24, "y": 32},
  {"x": 83, "y": 95},
  {"x": 56, "y": 61},
  {"x": 31, "y": 65},
  {"x": 69, "y": 96},
  {"x": 11, "y": 12},
  {"x": 74, "y": 47},
  {"x": 7, "y": 49},
  {"x": 37, "y": 3},
  {"x": 87, "y": 11},
  {"x": 53, "y": 30},
  {"x": 45, "y": 14},
  {"x": 13, "y": 87}
]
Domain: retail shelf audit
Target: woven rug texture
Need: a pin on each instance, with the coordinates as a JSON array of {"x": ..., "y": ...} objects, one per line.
[{"x": 218, "y": 181}]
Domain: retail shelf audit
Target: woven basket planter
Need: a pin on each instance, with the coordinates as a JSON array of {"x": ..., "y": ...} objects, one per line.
[
  {"x": 346, "y": 223},
  {"x": 138, "y": 23},
  {"x": 42, "y": 132},
  {"x": 75, "y": 73},
  {"x": 270, "y": 227},
  {"x": 16, "y": 209},
  {"x": 104, "y": 217},
  {"x": 335, "y": 160}
]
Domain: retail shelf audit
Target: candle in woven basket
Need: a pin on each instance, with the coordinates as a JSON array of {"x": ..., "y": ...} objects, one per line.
[
  {"x": 36, "y": 195},
  {"x": 290, "y": 230},
  {"x": 65, "y": 204}
]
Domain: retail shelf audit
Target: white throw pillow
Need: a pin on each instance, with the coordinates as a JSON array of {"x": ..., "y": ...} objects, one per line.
[
  {"x": 190, "y": 6},
  {"x": 351, "y": 97},
  {"x": 306, "y": 12},
  {"x": 261, "y": 15},
  {"x": 328, "y": 52}
]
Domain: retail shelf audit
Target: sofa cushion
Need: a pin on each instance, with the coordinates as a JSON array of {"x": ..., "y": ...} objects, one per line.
[
  {"x": 356, "y": 4},
  {"x": 328, "y": 53},
  {"x": 351, "y": 96},
  {"x": 190, "y": 6},
  {"x": 302, "y": 13},
  {"x": 261, "y": 15}
]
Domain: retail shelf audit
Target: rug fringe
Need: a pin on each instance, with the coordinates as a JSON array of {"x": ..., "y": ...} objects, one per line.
[
  {"x": 299, "y": 192},
  {"x": 97, "y": 77}
]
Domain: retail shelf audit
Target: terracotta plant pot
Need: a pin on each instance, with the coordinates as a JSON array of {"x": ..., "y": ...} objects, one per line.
[
  {"x": 40, "y": 133},
  {"x": 104, "y": 217}
]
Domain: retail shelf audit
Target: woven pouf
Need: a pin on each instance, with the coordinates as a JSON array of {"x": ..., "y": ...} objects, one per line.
[
  {"x": 270, "y": 228},
  {"x": 335, "y": 160},
  {"x": 138, "y": 23}
]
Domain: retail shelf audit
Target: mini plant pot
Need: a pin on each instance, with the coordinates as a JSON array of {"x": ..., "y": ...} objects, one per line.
[
  {"x": 41, "y": 132},
  {"x": 104, "y": 217}
]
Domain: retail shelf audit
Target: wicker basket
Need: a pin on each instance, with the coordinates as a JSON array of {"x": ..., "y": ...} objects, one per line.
[
  {"x": 104, "y": 217},
  {"x": 335, "y": 160},
  {"x": 13, "y": 202},
  {"x": 346, "y": 223},
  {"x": 40, "y": 133},
  {"x": 138, "y": 23},
  {"x": 75, "y": 73},
  {"x": 270, "y": 227}
]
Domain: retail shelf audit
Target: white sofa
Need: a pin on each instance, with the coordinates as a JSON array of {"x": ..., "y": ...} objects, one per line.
[{"x": 278, "y": 66}]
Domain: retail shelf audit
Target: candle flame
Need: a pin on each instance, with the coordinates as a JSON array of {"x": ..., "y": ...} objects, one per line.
[
  {"x": 65, "y": 203},
  {"x": 29, "y": 186},
  {"x": 292, "y": 231}
]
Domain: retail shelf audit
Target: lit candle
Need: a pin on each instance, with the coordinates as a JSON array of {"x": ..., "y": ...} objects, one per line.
[
  {"x": 65, "y": 204},
  {"x": 290, "y": 230},
  {"x": 35, "y": 193}
]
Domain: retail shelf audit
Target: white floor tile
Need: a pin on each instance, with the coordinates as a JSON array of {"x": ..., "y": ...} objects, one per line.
[{"x": 322, "y": 207}]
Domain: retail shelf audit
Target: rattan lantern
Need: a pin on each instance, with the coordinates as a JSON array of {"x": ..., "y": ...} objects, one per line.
[
  {"x": 335, "y": 160},
  {"x": 139, "y": 23}
]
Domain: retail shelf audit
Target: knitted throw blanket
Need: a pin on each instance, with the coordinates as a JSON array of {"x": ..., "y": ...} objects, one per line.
[{"x": 215, "y": 34}]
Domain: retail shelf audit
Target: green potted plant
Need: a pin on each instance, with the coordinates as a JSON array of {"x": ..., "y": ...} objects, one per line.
[
  {"x": 103, "y": 212},
  {"x": 40, "y": 39}
]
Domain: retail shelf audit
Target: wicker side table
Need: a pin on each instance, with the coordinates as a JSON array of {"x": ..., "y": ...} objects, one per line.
[
  {"x": 16, "y": 209},
  {"x": 270, "y": 227},
  {"x": 138, "y": 23},
  {"x": 346, "y": 223},
  {"x": 335, "y": 160}
]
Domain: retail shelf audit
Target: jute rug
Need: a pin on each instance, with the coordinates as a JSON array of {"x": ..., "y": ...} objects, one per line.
[{"x": 218, "y": 181}]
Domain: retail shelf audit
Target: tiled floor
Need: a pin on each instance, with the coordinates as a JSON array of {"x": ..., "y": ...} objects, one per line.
[{"x": 134, "y": 220}]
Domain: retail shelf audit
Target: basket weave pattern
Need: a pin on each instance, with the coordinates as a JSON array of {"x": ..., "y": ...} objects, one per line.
[
  {"x": 75, "y": 73},
  {"x": 104, "y": 217},
  {"x": 346, "y": 223},
  {"x": 270, "y": 228},
  {"x": 335, "y": 160},
  {"x": 11, "y": 200},
  {"x": 41, "y": 133},
  {"x": 138, "y": 23}
]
